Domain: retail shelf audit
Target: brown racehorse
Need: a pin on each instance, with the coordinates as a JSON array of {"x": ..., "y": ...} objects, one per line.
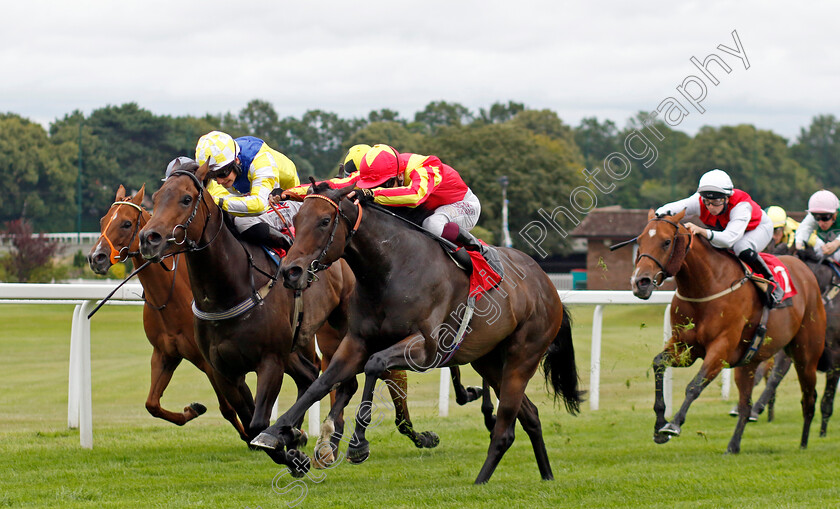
[
  {"x": 407, "y": 295},
  {"x": 167, "y": 318},
  {"x": 714, "y": 317}
]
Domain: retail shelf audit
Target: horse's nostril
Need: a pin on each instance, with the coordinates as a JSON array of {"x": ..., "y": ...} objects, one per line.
[{"x": 293, "y": 273}]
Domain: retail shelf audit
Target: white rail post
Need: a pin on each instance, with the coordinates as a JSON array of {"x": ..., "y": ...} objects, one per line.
[
  {"x": 668, "y": 382},
  {"x": 725, "y": 380},
  {"x": 595, "y": 362},
  {"x": 86, "y": 400},
  {"x": 74, "y": 386},
  {"x": 443, "y": 397}
]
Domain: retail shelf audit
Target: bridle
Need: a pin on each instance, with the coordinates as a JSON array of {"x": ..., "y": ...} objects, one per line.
[
  {"x": 666, "y": 270},
  {"x": 189, "y": 244},
  {"x": 318, "y": 264},
  {"x": 117, "y": 256}
]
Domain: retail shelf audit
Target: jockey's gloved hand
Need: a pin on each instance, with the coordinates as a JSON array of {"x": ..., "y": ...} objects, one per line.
[{"x": 364, "y": 195}]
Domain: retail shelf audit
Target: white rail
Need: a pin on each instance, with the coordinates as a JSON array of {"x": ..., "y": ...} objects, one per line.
[{"x": 85, "y": 297}]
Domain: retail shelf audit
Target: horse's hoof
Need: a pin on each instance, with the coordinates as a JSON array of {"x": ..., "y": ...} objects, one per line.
[
  {"x": 472, "y": 394},
  {"x": 198, "y": 408},
  {"x": 753, "y": 417},
  {"x": 266, "y": 441},
  {"x": 660, "y": 438},
  {"x": 323, "y": 456},
  {"x": 428, "y": 440},
  {"x": 356, "y": 455},
  {"x": 734, "y": 411},
  {"x": 299, "y": 439},
  {"x": 298, "y": 463},
  {"x": 670, "y": 429}
]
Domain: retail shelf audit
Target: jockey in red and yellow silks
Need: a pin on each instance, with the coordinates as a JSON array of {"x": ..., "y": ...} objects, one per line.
[
  {"x": 734, "y": 220},
  {"x": 413, "y": 180}
]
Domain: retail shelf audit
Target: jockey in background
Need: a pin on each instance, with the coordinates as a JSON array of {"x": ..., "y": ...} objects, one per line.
[
  {"x": 822, "y": 220},
  {"x": 387, "y": 177},
  {"x": 353, "y": 160},
  {"x": 243, "y": 173},
  {"x": 733, "y": 221},
  {"x": 784, "y": 231}
]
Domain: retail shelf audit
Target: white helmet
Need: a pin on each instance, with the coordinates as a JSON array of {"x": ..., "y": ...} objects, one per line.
[
  {"x": 715, "y": 182},
  {"x": 823, "y": 201}
]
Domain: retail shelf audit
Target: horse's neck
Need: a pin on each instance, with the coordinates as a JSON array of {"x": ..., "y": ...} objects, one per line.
[
  {"x": 706, "y": 270},
  {"x": 823, "y": 272},
  {"x": 384, "y": 248},
  {"x": 157, "y": 281},
  {"x": 218, "y": 269}
]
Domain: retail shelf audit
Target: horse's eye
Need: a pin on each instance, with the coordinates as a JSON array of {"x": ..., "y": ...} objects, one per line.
[
  {"x": 186, "y": 200},
  {"x": 126, "y": 224},
  {"x": 324, "y": 222},
  {"x": 666, "y": 243}
]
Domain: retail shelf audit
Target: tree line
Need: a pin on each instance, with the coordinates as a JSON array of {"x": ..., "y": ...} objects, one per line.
[{"x": 543, "y": 157}]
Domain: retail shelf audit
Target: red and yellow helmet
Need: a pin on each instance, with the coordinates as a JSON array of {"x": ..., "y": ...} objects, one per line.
[{"x": 379, "y": 164}]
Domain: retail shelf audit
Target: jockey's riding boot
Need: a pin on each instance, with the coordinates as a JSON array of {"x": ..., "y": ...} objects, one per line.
[
  {"x": 774, "y": 293},
  {"x": 265, "y": 234},
  {"x": 468, "y": 241}
]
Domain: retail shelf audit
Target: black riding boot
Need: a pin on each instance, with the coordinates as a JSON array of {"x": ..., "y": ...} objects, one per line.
[
  {"x": 490, "y": 253},
  {"x": 264, "y": 234},
  {"x": 756, "y": 263}
]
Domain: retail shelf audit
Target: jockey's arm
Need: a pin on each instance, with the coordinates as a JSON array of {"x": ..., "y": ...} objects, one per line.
[
  {"x": 298, "y": 192},
  {"x": 739, "y": 218},
  {"x": 256, "y": 202},
  {"x": 690, "y": 205},
  {"x": 416, "y": 192},
  {"x": 803, "y": 233}
]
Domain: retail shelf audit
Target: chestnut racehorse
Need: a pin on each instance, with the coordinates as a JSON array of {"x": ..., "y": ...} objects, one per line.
[
  {"x": 714, "y": 315},
  {"x": 167, "y": 318},
  {"x": 407, "y": 291}
]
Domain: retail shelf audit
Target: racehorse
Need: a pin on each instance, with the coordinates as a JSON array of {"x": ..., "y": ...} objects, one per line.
[
  {"x": 408, "y": 295},
  {"x": 243, "y": 322},
  {"x": 829, "y": 361},
  {"x": 715, "y": 316},
  {"x": 167, "y": 318}
]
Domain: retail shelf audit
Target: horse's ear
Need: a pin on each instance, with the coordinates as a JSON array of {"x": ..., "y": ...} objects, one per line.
[
  {"x": 651, "y": 214},
  {"x": 120, "y": 194},
  {"x": 679, "y": 216},
  {"x": 344, "y": 191},
  {"x": 137, "y": 199},
  {"x": 201, "y": 172}
]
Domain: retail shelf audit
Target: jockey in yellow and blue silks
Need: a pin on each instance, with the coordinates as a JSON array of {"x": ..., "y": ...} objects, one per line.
[
  {"x": 733, "y": 220},
  {"x": 822, "y": 220},
  {"x": 244, "y": 172}
]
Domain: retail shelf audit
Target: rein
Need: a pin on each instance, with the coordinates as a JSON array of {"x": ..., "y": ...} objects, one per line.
[{"x": 317, "y": 264}]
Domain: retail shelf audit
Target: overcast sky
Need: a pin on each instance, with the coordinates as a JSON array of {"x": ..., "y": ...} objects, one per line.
[{"x": 580, "y": 59}]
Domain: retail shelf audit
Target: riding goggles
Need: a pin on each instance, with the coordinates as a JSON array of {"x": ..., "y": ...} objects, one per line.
[
  {"x": 823, "y": 217},
  {"x": 224, "y": 171}
]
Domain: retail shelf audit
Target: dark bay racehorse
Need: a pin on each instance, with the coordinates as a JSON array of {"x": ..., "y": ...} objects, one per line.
[
  {"x": 714, "y": 315},
  {"x": 242, "y": 324},
  {"x": 167, "y": 318},
  {"x": 409, "y": 296},
  {"x": 829, "y": 361}
]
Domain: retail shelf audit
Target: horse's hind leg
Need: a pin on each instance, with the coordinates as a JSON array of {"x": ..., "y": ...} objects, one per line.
[
  {"x": 225, "y": 407},
  {"x": 827, "y": 402},
  {"x": 163, "y": 366},
  {"x": 463, "y": 395},
  {"x": 529, "y": 417},
  {"x": 398, "y": 387},
  {"x": 487, "y": 406},
  {"x": 780, "y": 368},
  {"x": 332, "y": 429}
]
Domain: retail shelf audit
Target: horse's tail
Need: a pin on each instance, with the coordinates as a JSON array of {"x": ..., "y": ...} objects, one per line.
[{"x": 560, "y": 369}]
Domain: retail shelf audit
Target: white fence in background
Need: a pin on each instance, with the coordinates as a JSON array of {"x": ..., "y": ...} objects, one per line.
[{"x": 86, "y": 296}]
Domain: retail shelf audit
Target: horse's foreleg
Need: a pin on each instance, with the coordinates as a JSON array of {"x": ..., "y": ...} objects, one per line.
[
  {"x": 332, "y": 429},
  {"x": 708, "y": 371},
  {"x": 745, "y": 381},
  {"x": 238, "y": 395},
  {"x": 780, "y": 368},
  {"x": 270, "y": 373},
  {"x": 227, "y": 410},
  {"x": 827, "y": 402},
  {"x": 660, "y": 363},
  {"x": 163, "y": 366},
  {"x": 463, "y": 395},
  {"x": 348, "y": 360},
  {"x": 304, "y": 373}
]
